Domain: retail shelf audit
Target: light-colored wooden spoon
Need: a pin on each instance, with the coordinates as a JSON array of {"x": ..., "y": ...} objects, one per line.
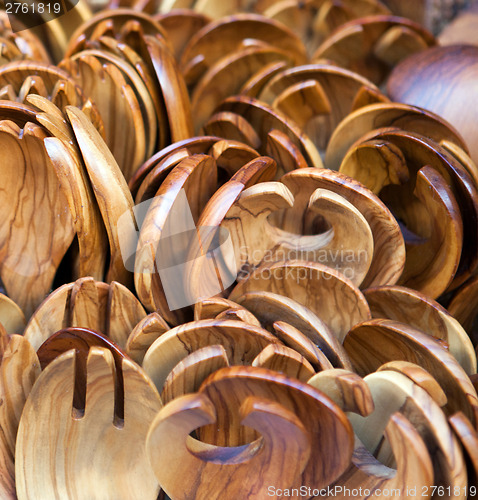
[
  {"x": 211, "y": 472},
  {"x": 375, "y": 342},
  {"x": 19, "y": 368},
  {"x": 92, "y": 453},
  {"x": 11, "y": 316},
  {"x": 332, "y": 297},
  {"x": 241, "y": 341},
  {"x": 415, "y": 309}
]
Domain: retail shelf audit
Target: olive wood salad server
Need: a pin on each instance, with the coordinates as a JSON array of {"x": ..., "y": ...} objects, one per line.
[{"x": 56, "y": 441}]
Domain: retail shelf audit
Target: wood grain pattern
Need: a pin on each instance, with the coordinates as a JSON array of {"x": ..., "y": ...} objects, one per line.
[
  {"x": 458, "y": 65},
  {"x": 242, "y": 343},
  {"x": 376, "y": 342},
  {"x": 346, "y": 245},
  {"x": 415, "y": 309},
  {"x": 90, "y": 231},
  {"x": 11, "y": 316},
  {"x": 270, "y": 308},
  {"x": 333, "y": 298},
  {"x": 463, "y": 307},
  {"x": 468, "y": 438},
  {"x": 340, "y": 90},
  {"x": 323, "y": 420},
  {"x": 295, "y": 339},
  {"x": 263, "y": 119},
  {"x": 419, "y": 151},
  {"x": 143, "y": 335},
  {"x": 375, "y": 116},
  {"x": 48, "y": 457},
  {"x": 227, "y": 76},
  {"x": 190, "y": 184},
  {"x": 372, "y": 45},
  {"x": 284, "y": 360},
  {"x": 389, "y": 248},
  {"x": 188, "y": 375},
  {"x": 110, "y": 309},
  {"x": 393, "y": 392},
  {"x": 217, "y": 307},
  {"x": 29, "y": 259},
  {"x": 346, "y": 389},
  {"x": 224, "y": 35},
  {"x": 118, "y": 105},
  {"x": 420, "y": 377},
  {"x": 111, "y": 191},
  {"x": 207, "y": 472},
  {"x": 19, "y": 369}
]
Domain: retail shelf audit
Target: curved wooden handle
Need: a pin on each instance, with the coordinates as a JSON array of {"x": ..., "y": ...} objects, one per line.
[{"x": 213, "y": 472}]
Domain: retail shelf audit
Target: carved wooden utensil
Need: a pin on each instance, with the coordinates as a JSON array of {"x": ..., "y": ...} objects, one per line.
[
  {"x": 62, "y": 453},
  {"x": 333, "y": 298},
  {"x": 376, "y": 342},
  {"x": 19, "y": 368},
  {"x": 110, "y": 309},
  {"x": 457, "y": 64},
  {"x": 29, "y": 259},
  {"x": 11, "y": 316},
  {"x": 212, "y": 472},
  {"x": 415, "y": 309}
]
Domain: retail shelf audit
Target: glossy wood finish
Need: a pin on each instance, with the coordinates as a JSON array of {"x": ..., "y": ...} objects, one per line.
[
  {"x": 394, "y": 392},
  {"x": 30, "y": 259},
  {"x": 417, "y": 310},
  {"x": 376, "y": 342},
  {"x": 271, "y": 308},
  {"x": 110, "y": 309},
  {"x": 88, "y": 439},
  {"x": 11, "y": 316},
  {"x": 322, "y": 419},
  {"x": 372, "y": 45},
  {"x": 333, "y": 298},
  {"x": 19, "y": 369},
  {"x": 242, "y": 343},
  {"x": 206, "y": 473},
  {"x": 415, "y": 82},
  {"x": 381, "y": 115},
  {"x": 389, "y": 249}
]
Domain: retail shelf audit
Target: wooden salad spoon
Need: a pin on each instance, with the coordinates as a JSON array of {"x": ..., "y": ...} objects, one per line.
[
  {"x": 415, "y": 309},
  {"x": 440, "y": 460},
  {"x": 372, "y": 45},
  {"x": 430, "y": 165},
  {"x": 241, "y": 341},
  {"x": 389, "y": 248},
  {"x": 381, "y": 115},
  {"x": 111, "y": 191},
  {"x": 171, "y": 219},
  {"x": 332, "y": 297},
  {"x": 323, "y": 420},
  {"x": 225, "y": 35},
  {"x": 263, "y": 119},
  {"x": 19, "y": 369},
  {"x": 26, "y": 168},
  {"x": 463, "y": 307},
  {"x": 346, "y": 245},
  {"x": 52, "y": 460},
  {"x": 107, "y": 308},
  {"x": 210, "y": 472},
  {"x": 333, "y": 93},
  {"x": 379, "y": 341},
  {"x": 227, "y": 76},
  {"x": 270, "y": 308}
]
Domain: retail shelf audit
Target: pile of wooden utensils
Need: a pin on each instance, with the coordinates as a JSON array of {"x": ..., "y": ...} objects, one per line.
[{"x": 314, "y": 357}]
